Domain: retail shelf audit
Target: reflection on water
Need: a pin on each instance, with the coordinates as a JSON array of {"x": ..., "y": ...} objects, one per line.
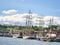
[{"x": 18, "y": 41}]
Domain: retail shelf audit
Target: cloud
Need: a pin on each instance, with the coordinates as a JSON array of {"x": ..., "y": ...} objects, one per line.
[
  {"x": 15, "y": 17},
  {"x": 56, "y": 20},
  {"x": 6, "y": 23},
  {"x": 22, "y": 18},
  {"x": 9, "y": 11}
]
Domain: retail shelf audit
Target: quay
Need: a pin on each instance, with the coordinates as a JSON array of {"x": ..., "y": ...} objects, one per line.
[{"x": 38, "y": 35}]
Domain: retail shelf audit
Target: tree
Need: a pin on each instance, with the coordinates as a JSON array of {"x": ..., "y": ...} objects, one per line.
[{"x": 35, "y": 28}]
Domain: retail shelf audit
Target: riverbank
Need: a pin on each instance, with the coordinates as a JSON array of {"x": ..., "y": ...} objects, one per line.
[{"x": 32, "y": 36}]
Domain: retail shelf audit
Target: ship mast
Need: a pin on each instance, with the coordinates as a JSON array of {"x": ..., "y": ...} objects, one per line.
[
  {"x": 50, "y": 24},
  {"x": 29, "y": 20}
]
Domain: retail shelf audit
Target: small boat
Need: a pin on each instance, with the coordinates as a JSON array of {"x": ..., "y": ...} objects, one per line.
[
  {"x": 26, "y": 37},
  {"x": 15, "y": 35},
  {"x": 51, "y": 37}
]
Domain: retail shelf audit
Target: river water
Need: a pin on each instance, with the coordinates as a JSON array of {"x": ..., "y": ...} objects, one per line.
[{"x": 18, "y": 41}]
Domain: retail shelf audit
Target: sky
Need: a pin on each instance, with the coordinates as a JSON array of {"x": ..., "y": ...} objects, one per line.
[
  {"x": 43, "y": 7},
  {"x": 46, "y": 8}
]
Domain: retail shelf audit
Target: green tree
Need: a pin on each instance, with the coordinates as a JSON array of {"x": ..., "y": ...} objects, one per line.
[{"x": 35, "y": 28}]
